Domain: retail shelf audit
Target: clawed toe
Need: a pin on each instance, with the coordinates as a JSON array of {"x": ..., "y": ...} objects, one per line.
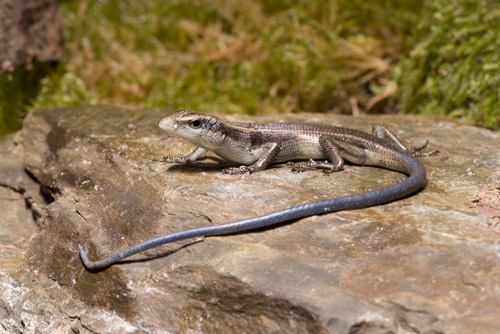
[
  {"x": 302, "y": 167},
  {"x": 170, "y": 159},
  {"x": 237, "y": 170},
  {"x": 425, "y": 154},
  {"x": 415, "y": 149}
]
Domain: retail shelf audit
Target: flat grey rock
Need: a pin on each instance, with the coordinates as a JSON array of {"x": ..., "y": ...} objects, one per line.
[{"x": 429, "y": 263}]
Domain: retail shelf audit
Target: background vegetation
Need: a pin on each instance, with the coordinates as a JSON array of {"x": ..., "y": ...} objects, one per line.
[{"x": 258, "y": 56}]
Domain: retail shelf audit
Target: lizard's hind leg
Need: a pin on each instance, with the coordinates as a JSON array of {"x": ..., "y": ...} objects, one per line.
[
  {"x": 383, "y": 132},
  {"x": 331, "y": 150}
]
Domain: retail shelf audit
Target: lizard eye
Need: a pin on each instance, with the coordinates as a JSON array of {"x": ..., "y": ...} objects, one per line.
[{"x": 195, "y": 124}]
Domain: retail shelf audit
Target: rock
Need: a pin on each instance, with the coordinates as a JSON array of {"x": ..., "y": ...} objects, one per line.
[
  {"x": 425, "y": 264},
  {"x": 29, "y": 30}
]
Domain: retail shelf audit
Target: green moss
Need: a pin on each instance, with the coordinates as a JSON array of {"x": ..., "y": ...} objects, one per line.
[
  {"x": 45, "y": 85},
  {"x": 453, "y": 66},
  {"x": 17, "y": 91},
  {"x": 63, "y": 89}
]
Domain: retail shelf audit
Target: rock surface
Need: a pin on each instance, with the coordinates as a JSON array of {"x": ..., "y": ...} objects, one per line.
[{"x": 429, "y": 263}]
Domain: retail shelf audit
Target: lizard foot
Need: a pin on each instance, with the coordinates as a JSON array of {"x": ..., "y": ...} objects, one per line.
[
  {"x": 312, "y": 164},
  {"x": 303, "y": 166},
  {"x": 237, "y": 170},
  {"x": 170, "y": 159},
  {"x": 415, "y": 150}
]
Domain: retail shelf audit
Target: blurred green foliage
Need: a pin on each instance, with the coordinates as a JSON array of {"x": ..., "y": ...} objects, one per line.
[
  {"x": 453, "y": 65},
  {"x": 16, "y": 92},
  {"x": 258, "y": 56},
  {"x": 242, "y": 56}
]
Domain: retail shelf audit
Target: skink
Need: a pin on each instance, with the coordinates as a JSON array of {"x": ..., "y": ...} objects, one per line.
[{"x": 255, "y": 146}]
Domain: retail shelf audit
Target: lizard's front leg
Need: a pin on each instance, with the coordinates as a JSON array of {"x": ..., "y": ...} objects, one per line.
[
  {"x": 193, "y": 156},
  {"x": 264, "y": 161}
]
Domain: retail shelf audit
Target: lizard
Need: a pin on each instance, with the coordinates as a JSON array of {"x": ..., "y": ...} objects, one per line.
[{"x": 255, "y": 146}]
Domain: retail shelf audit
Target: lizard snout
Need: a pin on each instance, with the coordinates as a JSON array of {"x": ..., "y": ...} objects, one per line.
[{"x": 168, "y": 124}]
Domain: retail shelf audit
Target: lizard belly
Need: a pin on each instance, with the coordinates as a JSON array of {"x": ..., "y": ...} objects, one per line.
[
  {"x": 240, "y": 156},
  {"x": 307, "y": 149}
]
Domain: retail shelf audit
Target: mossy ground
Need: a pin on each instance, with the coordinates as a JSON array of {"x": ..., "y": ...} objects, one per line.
[
  {"x": 453, "y": 65},
  {"x": 256, "y": 56}
]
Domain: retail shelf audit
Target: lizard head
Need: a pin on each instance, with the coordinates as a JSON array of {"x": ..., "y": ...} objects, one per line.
[{"x": 200, "y": 129}]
